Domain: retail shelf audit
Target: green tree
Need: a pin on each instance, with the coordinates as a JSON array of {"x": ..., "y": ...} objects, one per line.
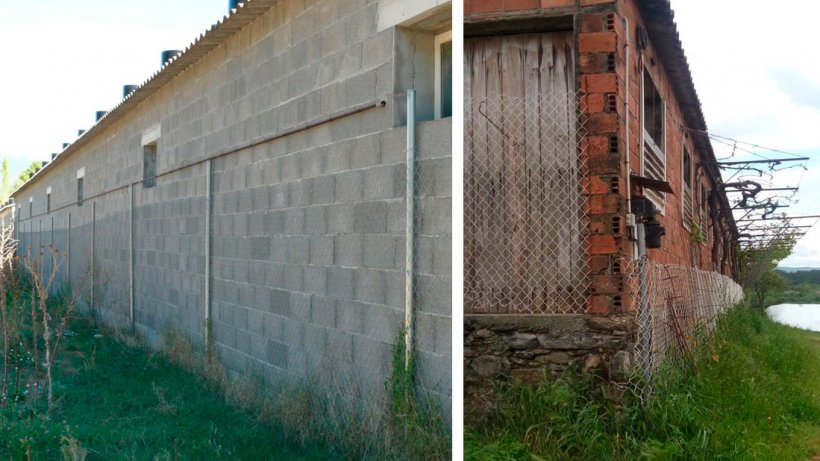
[
  {"x": 27, "y": 173},
  {"x": 767, "y": 283},
  {"x": 5, "y": 186}
]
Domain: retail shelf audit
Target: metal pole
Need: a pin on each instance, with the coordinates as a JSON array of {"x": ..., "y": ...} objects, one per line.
[
  {"x": 643, "y": 314},
  {"x": 131, "y": 255},
  {"x": 408, "y": 231},
  {"x": 208, "y": 211},
  {"x": 93, "y": 240},
  {"x": 53, "y": 253},
  {"x": 68, "y": 251},
  {"x": 15, "y": 210}
]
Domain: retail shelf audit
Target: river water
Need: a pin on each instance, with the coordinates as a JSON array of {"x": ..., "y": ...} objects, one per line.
[{"x": 805, "y": 316}]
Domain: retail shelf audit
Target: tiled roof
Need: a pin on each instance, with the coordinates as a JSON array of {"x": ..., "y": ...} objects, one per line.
[{"x": 663, "y": 33}]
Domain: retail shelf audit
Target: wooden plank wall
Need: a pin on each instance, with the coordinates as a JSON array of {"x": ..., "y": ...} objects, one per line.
[{"x": 524, "y": 249}]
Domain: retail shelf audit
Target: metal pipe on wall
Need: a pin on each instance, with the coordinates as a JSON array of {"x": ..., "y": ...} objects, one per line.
[
  {"x": 410, "y": 216},
  {"x": 630, "y": 217}
]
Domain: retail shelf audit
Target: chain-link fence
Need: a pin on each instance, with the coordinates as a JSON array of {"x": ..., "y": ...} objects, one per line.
[
  {"x": 524, "y": 225},
  {"x": 674, "y": 306}
]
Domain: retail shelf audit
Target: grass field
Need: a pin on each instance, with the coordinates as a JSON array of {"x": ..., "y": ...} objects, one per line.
[
  {"x": 114, "y": 398},
  {"x": 120, "y": 402},
  {"x": 752, "y": 393}
]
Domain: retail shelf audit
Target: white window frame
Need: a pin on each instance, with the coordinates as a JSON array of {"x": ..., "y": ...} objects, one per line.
[
  {"x": 658, "y": 198},
  {"x": 439, "y": 40}
]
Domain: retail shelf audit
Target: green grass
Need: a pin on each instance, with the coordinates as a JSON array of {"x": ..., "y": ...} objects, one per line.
[
  {"x": 118, "y": 399},
  {"x": 122, "y": 402},
  {"x": 752, "y": 393}
]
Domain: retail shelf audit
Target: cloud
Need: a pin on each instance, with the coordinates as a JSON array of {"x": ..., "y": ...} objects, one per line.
[{"x": 799, "y": 87}]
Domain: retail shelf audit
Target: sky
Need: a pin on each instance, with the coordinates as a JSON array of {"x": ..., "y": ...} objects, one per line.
[
  {"x": 63, "y": 61},
  {"x": 753, "y": 67},
  {"x": 759, "y": 81}
]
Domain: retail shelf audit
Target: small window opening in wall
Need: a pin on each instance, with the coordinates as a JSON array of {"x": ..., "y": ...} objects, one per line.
[
  {"x": 48, "y": 200},
  {"x": 31, "y": 206},
  {"x": 80, "y": 176},
  {"x": 149, "y": 165},
  {"x": 444, "y": 75}
]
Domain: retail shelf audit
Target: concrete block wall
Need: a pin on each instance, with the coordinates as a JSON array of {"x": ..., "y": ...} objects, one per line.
[
  {"x": 307, "y": 231},
  {"x": 169, "y": 254}
]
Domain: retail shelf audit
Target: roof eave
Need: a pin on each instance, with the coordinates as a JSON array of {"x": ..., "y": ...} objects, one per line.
[
  {"x": 663, "y": 33},
  {"x": 207, "y": 41}
]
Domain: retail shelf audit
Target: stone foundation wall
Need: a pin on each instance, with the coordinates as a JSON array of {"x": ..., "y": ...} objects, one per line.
[{"x": 525, "y": 348}]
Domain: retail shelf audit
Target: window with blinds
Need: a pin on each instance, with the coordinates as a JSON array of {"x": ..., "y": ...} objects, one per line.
[{"x": 653, "y": 163}]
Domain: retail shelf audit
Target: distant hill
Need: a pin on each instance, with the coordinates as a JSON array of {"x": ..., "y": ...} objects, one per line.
[
  {"x": 796, "y": 277},
  {"x": 797, "y": 269}
]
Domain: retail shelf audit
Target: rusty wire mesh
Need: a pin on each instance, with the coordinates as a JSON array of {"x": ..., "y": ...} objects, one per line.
[
  {"x": 525, "y": 232},
  {"x": 674, "y": 306}
]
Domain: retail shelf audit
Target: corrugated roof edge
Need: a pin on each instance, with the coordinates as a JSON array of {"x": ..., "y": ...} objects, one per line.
[
  {"x": 663, "y": 32},
  {"x": 214, "y": 36}
]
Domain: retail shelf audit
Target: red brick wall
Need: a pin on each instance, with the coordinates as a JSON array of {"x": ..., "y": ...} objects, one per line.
[
  {"x": 495, "y": 7},
  {"x": 601, "y": 69},
  {"x": 677, "y": 245},
  {"x": 602, "y": 64}
]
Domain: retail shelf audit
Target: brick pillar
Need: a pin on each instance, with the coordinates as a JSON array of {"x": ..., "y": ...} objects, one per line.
[{"x": 600, "y": 62}]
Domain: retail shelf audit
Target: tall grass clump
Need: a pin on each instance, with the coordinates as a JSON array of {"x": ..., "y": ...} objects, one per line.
[
  {"x": 399, "y": 422},
  {"x": 750, "y": 391}
]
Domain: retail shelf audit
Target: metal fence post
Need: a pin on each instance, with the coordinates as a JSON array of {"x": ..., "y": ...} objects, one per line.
[
  {"x": 643, "y": 313},
  {"x": 208, "y": 217},
  {"x": 68, "y": 251},
  {"x": 93, "y": 241},
  {"x": 409, "y": 231},
  {"x": 53, "y": 253},
  {"x": 16, "y": 211},
  {"x": 131, "y": 255}
]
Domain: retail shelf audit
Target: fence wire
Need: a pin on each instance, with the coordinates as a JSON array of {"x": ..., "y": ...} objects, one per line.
[
  {"x": 525, "y": 231},
  {"x": 675, "y": 305}
]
